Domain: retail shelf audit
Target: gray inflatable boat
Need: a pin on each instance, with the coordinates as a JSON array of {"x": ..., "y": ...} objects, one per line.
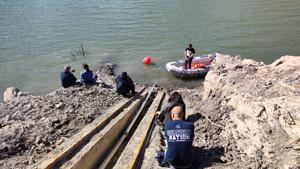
[{"x": 200, "y": 66}]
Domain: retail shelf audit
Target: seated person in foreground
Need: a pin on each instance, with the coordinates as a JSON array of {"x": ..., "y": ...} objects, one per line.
[
  {"x": 124, "y": 84},
  {"x": 67, "y": 78},
  {"x": 179, "y": 136},
  {"x": 175, "y": 98},
  {"x": 87, "y": 76}
]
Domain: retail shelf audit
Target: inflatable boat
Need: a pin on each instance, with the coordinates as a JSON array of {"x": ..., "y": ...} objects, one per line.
[{"x": 200, "y": 66}]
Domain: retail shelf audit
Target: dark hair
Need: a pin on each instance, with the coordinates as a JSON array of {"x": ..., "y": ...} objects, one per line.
[
  {"x": 175, "y": 97},
  {"x": 124, "y": 74},
  {"x": 85, "y": 66},
  {"x": 176, "y": 100},
  {"x": 190, "y": 45}
]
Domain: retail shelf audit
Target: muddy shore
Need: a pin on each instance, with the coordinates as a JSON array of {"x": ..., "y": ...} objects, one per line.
[
  {"x": 31, "y": 126},
  {"x": 246, "y": 116}
]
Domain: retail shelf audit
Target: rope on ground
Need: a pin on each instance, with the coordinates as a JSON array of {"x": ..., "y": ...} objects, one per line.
[{"x": 179, "y": 80}]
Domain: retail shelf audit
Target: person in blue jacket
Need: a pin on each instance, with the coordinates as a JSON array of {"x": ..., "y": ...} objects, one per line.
[
  {"x": 67, "y": 77},
  {"x": 179, "y": 135},
  {"x": 87, "y": 76}
]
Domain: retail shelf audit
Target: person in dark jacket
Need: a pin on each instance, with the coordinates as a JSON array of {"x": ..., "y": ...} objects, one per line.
[
  {"x": 175, "y": 98},
  {"x": 87, "y": 76},
  {"x": 189, "y": 53},
  {"x": 124, "y": 84},
  {"x": 67, "y": 78},
  {"x": 179, "y": 135}
]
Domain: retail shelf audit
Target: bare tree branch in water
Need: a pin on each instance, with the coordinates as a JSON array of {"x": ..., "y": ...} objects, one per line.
[{"x": 81, "y": 51}]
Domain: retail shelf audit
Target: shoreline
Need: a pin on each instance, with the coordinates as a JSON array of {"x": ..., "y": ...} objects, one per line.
[
  {"x": 256, "y": 105},
  {"x": 191, "y": 83}
]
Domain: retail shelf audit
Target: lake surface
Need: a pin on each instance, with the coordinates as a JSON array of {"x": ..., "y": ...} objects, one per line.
[{"x": 37, "y": 37}]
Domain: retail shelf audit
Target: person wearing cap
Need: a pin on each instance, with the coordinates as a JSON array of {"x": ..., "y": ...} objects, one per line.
[
  {"x": 87, "y": 76},
  {"x": 124, "y": 84},
  {"x": 67, "y": 77},
  {"x": 188, "y": 55}
]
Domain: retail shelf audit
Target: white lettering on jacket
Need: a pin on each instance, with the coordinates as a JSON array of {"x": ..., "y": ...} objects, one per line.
[{"x": 179, "y": 135}]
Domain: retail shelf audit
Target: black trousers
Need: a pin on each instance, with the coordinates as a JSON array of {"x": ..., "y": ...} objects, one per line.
[
  {"x": 188, "y": 63},
  {"x": 132, "y": 89},
  {"x": 125, "y": 89}
]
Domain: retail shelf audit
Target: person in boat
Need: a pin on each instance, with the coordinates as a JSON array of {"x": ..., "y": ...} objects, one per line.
[
  {"x": 87, "y": 76},
  {"x": 179, "y": 135},
  {"x": 124, "y": 84},
  {"x": 175, "y": 98},
  {"x": 67, "y": 77},
  {"x": 189, "y": 54}
]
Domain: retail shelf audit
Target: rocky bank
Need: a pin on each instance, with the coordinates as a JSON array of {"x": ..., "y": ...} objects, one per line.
[
  {"x": 31, "y": 126},
  {"x": 246, "y": 116}
]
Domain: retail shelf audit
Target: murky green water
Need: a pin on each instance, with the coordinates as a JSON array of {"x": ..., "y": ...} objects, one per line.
[{"x": 37, "y": 37}]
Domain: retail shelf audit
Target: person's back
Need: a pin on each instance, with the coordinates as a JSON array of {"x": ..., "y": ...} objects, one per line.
[
  {"x": 129, "y": 80},
  {"x": 179, "y": 136},
  {"x": 67, "y": 78},
  {"x": 87, "y": 76},
  {"x": 121, "y": 85},
  {"x": 124, "y": 84}
]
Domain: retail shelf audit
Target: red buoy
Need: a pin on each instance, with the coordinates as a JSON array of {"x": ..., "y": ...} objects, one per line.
[{"x": 147, "y": 60}]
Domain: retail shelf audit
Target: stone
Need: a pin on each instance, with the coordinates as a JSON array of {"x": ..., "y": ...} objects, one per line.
[
  {"x": 263, "y": 103},
  {"x": 10, "y": 93}
]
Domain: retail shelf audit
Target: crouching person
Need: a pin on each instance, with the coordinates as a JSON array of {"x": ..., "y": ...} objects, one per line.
[
  {"x": 180, "y": 135},
  {"x": 124, "y": 84}
]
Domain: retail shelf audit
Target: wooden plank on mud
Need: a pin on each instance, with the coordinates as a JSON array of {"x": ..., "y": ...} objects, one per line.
[
  {"x": 63, "y": 151},
  {"x": 97, "y": 148},
  {"x": 136, "y": 145}
]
